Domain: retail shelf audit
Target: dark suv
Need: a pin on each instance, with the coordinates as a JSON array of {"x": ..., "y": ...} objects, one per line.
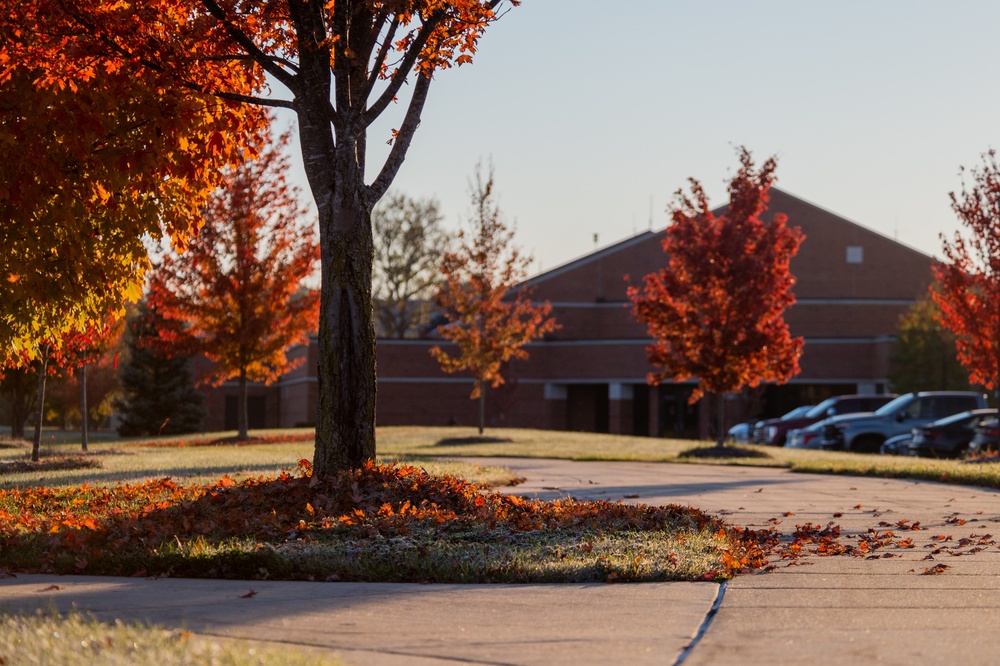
[
  {"x": 866, "y": 432},
  {"x": 775, "y": 431}
]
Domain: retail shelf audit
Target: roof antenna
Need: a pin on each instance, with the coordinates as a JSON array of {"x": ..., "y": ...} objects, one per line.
[
  {"x": 595, "y": 241},
  {"x": 650, "y": 212}
]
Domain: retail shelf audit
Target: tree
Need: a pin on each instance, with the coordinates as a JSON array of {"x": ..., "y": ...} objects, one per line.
[
  {"x": 968, "y": 281},
  {"x": 158, "y": 395},
  {"x": 489, "y": 318},
  {"x": 343, "y": 63},
  {"x": 106, "y": 170},
  {"x": 236, "y": 294},
  {"x": 409, "y": 242},
  {"x": 924, "y": 356},
  {"x": 716, "y": 310},
  {"x": 52, "y": 356}
]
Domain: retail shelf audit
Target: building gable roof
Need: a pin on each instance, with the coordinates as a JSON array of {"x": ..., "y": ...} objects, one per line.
[{"x": 877, "y": 268}]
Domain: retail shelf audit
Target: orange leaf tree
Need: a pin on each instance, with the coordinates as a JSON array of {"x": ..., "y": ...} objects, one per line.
[
  {"x": 716, "y": 310},
  {"x": 236, "y": 294},
  {"x": 114, "y": 162},
  {"x": 488, "y": 317},
  {"x": 342, "y": 63},
  {"x": 967, "y": 283}
]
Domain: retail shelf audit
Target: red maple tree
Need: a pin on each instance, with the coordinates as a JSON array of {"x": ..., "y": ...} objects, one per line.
[
  {"x": 236, "y": 294},
  {"x": 716, "y": 310},
  {"x": 967, "y": 284},
  {"x": 488, "y": 317}
]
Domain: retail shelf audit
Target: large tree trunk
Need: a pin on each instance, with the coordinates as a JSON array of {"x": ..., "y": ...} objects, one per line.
[
  {"x": 345, "y": 412},
  {"x": 345, "y": 419}
]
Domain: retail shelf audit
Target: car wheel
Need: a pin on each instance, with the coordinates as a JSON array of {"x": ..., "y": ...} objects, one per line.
[{"x": 866, "y": 444}]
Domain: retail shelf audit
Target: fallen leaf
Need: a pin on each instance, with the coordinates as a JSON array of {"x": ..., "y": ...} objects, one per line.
[
  {"x": 50, "y": 588},
  {"x": 251, "y": 593}
]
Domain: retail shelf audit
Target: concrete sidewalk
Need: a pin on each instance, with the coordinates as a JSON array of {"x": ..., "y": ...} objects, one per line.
[{"x": 830, "y": 609}]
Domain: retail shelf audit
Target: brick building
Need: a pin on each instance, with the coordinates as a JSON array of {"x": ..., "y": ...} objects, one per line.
[{"x": 852, "y": 286}]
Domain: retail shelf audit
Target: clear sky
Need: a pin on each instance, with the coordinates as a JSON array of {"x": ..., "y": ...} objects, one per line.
[{"x": 595, "y": 112}]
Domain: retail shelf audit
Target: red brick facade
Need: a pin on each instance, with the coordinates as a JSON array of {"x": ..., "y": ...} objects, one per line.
[{"x": 852, "y": 286}]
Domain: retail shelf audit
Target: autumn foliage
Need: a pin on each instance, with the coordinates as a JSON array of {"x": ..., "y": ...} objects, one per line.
[
  {"x": 236, "y": 294},
  {"x": 715, "y": 310},
  {"x": 488, "y": 317},
  {"x": 111, "y": 162},
  {"x": 338, "y": 65},
  {"x": 967, "y": 289}
]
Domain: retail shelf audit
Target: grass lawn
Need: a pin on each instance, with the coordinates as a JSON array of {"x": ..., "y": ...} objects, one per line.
[
  {"x": 427, "y": 443},
  {"x": 77, "y": 639}
]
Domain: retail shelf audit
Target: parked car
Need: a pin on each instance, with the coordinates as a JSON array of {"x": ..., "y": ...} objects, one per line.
[
  {"x": 865, "y": 432},
  {"x": 805, "y": 438},
  {"x": 898, "y": 445},
  {"x": 760, "y": 429},
  {"x": 775, "y": 432},
  {"x": 740, "y": 432},
  {"x": 950, "y": 436},
  {"x": 986, "y": 437}
]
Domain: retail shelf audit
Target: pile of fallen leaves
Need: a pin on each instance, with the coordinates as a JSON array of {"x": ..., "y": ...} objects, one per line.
[{"x": 286, "y": 527}]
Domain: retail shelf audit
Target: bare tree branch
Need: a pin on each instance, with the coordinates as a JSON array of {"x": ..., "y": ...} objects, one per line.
[
  {"x": 403, "y": 72},
  {"x": 403, "y": 139},
  {"x": 383, "y": 51}
]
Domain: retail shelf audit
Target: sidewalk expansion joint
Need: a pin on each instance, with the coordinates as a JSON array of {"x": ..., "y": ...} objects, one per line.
[{"x": 705, "y": 624}]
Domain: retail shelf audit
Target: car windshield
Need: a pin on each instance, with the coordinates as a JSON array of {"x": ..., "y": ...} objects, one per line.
[
  {"x": 820, "y": 409},
  {"x": 954, "y": 418},
  {"x": 893, "y": 406},
  {"x": 797, "y": 412}
]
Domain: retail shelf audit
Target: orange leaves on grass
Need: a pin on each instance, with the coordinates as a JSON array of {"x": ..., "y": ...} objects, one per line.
[{"x": 79, "y": 528}]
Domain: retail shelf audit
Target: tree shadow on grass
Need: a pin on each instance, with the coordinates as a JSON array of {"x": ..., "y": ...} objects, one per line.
[
  {"x": 722, "y": 452},
  {"x": 477, "y": 439}
]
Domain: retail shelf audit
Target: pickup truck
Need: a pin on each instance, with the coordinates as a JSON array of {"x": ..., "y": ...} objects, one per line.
[{"x": 865, "y": 433}]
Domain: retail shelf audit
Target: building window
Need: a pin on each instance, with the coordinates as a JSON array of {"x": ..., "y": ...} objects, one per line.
[{"x": 855, "y": 254}]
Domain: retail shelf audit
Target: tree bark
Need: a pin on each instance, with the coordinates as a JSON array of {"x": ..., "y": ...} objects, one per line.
[
  {"x": 83, "y": 406},
  {"x": 345, "y": 419}
]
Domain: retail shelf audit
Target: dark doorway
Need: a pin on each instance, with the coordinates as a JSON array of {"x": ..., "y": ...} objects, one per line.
[
  {"x": 677, "y": 417},
  {"x": 640, "y": 410},
  {"x": 587, "y": 407}
]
